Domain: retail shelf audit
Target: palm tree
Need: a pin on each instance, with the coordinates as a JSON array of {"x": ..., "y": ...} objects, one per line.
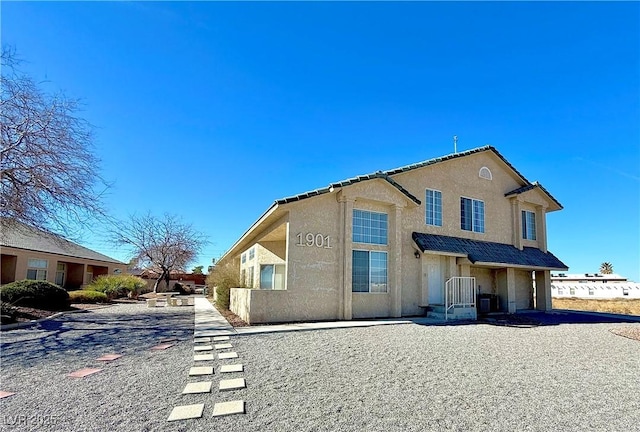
[{"x": 606, "y": 268}]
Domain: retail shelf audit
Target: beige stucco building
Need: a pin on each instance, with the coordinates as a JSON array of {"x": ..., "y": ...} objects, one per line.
[
  {"x": 28, "y": 253},
  {"x": 425, "y": 237}
]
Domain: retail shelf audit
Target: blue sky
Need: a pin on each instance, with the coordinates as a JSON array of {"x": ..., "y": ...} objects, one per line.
[{"x": 212, "y": 110}]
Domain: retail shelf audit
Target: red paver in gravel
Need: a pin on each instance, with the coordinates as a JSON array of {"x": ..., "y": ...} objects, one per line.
[
  {"x": 4, "y": 394},
  {"x": 162, "y": 347},
  {"x": 109, "y": 357},
  {"x": 83, "y": 372}
]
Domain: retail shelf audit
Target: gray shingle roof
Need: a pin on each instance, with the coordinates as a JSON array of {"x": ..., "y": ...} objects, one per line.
[
  {"x": 23, "y": 237},
  {"x": 488, "y": 252}
]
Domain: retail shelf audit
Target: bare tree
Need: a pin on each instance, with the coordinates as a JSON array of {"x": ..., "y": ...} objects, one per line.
[
  {"x": 48, "y": 172},
  {"x": 162, "y": 245}
]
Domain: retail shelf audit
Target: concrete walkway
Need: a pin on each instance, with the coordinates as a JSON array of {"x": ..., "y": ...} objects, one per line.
[{"x": 208, "y": 321}]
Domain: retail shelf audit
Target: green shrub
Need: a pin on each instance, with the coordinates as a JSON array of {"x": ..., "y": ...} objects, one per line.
[
  {"x": 35, "y": 293},
  {"x": 223, "y": 278},
  {"x": 8, "y": 313},
  {"x": 87, "y": 296},
  {"x": 115, "y": 286}
]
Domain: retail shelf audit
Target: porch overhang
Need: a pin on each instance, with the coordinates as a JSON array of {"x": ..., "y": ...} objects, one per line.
[{"x": 489, "y": 253}]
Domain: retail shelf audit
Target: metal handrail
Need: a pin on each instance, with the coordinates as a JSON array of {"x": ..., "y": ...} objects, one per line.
[{"x": 459, "y": 291}]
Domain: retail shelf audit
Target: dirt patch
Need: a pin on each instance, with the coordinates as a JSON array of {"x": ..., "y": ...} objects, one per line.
[
  {"x": 628, "y": 332},
  {"x": 619, "y": 306},
  {"x": 232, "y": 318}
]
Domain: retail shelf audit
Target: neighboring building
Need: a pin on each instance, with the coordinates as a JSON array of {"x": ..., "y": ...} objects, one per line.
[
  {"x": 595, "y": 286},
  {"x": 28, "y": 253},
  {"x": 389, "y": 244},
  {"x": 192, "y": 281}
]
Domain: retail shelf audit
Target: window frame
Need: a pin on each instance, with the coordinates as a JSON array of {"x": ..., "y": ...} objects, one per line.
[
  {"x": 369, "y": 269},
  {"x": 432, "y": 208},
  {"x": 40, "y": 271},
  {"x": 273, "y": 277},
  {"x": 369, "y": 238},
  {"x": 529, "y": 225},
  {"x": 252, "y": 253},
  {"x": 477, "y": 218}
]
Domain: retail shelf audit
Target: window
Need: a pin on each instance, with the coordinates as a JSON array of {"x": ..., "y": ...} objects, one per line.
[
  {"x": 37, "y": 269},
  {"x": 625, "y": 291},
  {"x": 250, "y": 277},
  {"x": 434, "y": 207},
  {"x": 243, "y": 276},
  {"x": 244, "y": 258},
  {"x": 591, "y": 291},
  {"x": 369, "y": 271},
  {"x": 572, "y": 291},
  {"x": 485, "y": 173},
  {"x": 61, "y": 272},
  {"x": 252, "y": 253},
  {"x": 272, "y": 276},
  {"x": 472, "y": 215},
  {"x": 369, "y": 227},
  {"x": 528, "y": 225},
  {"x": 560, "y": 291}
]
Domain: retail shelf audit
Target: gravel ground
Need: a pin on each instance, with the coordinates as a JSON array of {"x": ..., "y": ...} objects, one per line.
[{"x": 475, "y": 377}]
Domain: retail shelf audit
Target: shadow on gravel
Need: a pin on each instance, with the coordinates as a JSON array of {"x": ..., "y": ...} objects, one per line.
[
  {"x": 529, "y": 319},
  {"x": 92, "y": 333}
]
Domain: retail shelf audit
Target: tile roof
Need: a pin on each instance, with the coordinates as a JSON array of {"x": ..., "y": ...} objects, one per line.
[
  {"x": 347, "y": 182},
  {"x": 23, "y": 237},
  {"x": 533, "y": 186},
  {"x": 488, "y": 252},
  {"x": 385, "y": 175}
]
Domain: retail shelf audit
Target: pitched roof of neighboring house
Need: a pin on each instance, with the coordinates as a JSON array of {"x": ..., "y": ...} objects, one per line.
[
  {"x": 24, "y": 237},
  {"x": 385, "y": 175},
  {"x": 488, "y": 252}
]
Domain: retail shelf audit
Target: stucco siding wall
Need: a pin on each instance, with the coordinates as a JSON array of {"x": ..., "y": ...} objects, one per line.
[
  {"x": 485, "y": 280},
  {"x": 313, "y": 270},
  {"x": 23, "y": 256},
  {"x": 524, "y": 289},
  {"x": 240, "y": 303},
  {"x": 371, "y": 305},
  {"x": 289, "y": 306},
  {"x": 459, "y": 178}
]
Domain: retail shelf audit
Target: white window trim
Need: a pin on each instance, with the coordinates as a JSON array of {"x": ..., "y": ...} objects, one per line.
[
  {"x": 473, "y": 215},
  {"x": 525, "y": 231},
  {"x": 44, "y": 271},
  {"x": 374, "y": 212},
  {"x": 387, "y": 283},
  {"x": 483, "y": 177},
  {"x": 427, "y": 208}
]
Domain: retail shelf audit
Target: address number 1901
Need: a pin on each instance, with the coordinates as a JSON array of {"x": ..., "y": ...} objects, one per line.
[{"x": 311, "y": 240}]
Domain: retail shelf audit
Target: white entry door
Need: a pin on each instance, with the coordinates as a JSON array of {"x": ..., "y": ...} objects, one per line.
[{"x": 435, "y": 283}]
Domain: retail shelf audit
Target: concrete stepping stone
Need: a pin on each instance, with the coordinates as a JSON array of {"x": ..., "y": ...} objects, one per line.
[
  {"x": 221, "y": 338},
  {"x": 223, "y": 346},
  {"x": 231, "y": 368},
  {"x": 227, "y": 355},
  {"x": 203, "y": 357},
  {"x": 4, "y": 394},
  {"x": 232, "y": 384},
  {"x": 202, "y": 348},
  {"x": 202, "y": 340},
  {"x": 162, "y": 347},
  {"x": 185, "y": 412},
  {"x": 109, "y": 357},
  {"x": 228, "y": 408},
  {"x": 201, "y": 370},
  {"x": 83, "y": 372},
  {"x": 198, "y": 387}
]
